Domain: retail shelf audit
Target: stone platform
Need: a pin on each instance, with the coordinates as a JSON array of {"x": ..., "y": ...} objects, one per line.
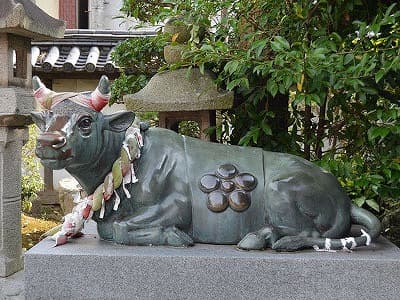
[{"x": 88, "y": 268}]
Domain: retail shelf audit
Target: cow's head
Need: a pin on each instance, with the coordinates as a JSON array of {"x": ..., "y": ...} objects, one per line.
[{"x": 72, "y": 126}]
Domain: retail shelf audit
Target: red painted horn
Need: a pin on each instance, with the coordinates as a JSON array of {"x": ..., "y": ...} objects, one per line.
[
  {"x": 42, "y": 94},
  {"x": 101, "y": 95}
]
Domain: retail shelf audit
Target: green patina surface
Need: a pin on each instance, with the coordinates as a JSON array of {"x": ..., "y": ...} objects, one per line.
[{"x": 293, "y": 204}]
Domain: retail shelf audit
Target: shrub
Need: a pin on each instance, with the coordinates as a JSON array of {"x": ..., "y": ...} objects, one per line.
[{"x": 31, "y": 181}]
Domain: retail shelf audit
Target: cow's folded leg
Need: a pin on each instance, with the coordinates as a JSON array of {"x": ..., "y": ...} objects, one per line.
[
  {"x": 259, "y": 239},
  {"x": 177, "y": 238},
  {"x": 156, "y": 236},
  {"x": 174, "y": 210}
]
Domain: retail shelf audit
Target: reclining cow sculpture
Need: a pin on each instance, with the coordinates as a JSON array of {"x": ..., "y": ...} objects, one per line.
[{"x": 155, "y": 187}]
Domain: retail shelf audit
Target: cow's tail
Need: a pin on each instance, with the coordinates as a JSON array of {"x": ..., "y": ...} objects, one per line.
[{"x": 359, "y": 216}]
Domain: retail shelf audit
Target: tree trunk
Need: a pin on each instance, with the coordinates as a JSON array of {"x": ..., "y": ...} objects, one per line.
[
  {"x": 279, "y": 105},
  {"x": 307, "y": 132},
  {"x": 320, "y": 130}
]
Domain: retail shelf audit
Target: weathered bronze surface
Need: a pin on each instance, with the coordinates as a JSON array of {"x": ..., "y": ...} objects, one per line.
[{"x": 195, "y": 191}]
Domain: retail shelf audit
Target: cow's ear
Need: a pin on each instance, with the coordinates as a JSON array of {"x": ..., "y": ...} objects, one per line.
[
  {"x": 39, "y": 119},
  {"x": 119, "y": 121}
]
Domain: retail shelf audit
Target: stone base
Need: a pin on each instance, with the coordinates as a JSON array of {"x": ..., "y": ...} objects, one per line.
[
  {"x": 12, "y": 287},
  {"x": 88, "y": 268}
]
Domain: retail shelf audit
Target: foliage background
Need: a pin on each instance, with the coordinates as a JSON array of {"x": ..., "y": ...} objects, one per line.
[
  {"x": 320, "y": 79},
  {"x": 31, "y": 181}
]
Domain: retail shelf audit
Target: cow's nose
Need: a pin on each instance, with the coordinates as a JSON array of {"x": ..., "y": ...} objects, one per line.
[{"x": 52, "y": 139}]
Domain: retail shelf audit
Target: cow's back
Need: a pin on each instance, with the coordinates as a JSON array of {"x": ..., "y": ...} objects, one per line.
[{"x": 228, "y": 226}]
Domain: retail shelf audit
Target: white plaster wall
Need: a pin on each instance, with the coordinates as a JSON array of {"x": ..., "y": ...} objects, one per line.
[
  {"x": 103, "y": 13},
  {"x": 51, "y": 7}
]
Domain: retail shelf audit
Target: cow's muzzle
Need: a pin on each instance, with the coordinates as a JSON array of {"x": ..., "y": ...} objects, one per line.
[{"x": 55, "y": 140}]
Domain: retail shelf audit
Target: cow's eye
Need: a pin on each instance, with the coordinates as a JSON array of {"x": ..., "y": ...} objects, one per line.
[{"x": 85, "y": 123}]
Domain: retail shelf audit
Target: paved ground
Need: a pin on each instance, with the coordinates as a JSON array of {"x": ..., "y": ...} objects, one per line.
[{"x": 12, "y": 287}]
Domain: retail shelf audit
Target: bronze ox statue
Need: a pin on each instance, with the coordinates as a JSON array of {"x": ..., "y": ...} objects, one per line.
[{"x": 152, "y": 186}]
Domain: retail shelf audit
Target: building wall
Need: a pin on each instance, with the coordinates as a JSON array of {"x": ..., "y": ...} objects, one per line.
[
  {"x": 50, "y": 7},
  {"x": 74, "y": 85},
  {"x": 67, "y": 12},
  {"x": 102, "y": 15}
]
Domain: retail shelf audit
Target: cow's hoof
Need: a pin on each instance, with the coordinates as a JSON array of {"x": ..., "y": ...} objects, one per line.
[
  {"x": 120, "y": 232},
  {"x": 177, "y": 238},
  {"x": 253, "y": 241}
]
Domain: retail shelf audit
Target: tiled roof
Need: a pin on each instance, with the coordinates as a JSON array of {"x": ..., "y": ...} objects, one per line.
[{"x": 81, "y": 50}]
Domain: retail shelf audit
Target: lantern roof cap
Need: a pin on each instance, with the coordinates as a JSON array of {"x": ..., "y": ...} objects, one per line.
[
  {"x": 180, "y": 90},
  {"x": 24, "y": 18}
]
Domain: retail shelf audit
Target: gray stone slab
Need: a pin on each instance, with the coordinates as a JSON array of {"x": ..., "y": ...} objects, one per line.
[
  {"x": 12, "y": 287},
  {"x": 10, "y": 239},
  {"x": 88, "y": 268}
]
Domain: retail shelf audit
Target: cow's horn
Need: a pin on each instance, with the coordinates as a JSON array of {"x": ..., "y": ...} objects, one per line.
[
  {"x": 41, "y": 93},
  {"x": 101, "y": 95}
]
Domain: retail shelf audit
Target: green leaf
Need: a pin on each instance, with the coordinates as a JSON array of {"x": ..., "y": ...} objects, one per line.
[
  {"x": 266, "y": 129},
  {"x": 375, "y": 132},
  {"x": 299, "y": 98},
  {"x": 376, "y": 177},
  {"x": 231, "y": 66},
  {"x": 240, "y": 82},
  {"x": 276, "y": 46},
  {"x": 258, "y": 47},
  {"x": 272, "y": 87},
  {"x": 201, "y": 68},
  {"x": 232, "y": 84},
  {"x": 245, "y": 140},
  {"x": 207, "y": 47},
  {"x": 319, "y": 53},
  {"x": 359, "y": 201},
  {"x": 288, "y": 81},
  {"x": 280, "y": 44},
  {"x": 348, "y": 58},
  {"x": 379, "y": 75},
  {"x": 372, "y": 203},
  {"x": 244, "y": 83},
  {"x": 255, "y": 133},
  {"x": 283, "y": 42},
  {"x": 251, "y": 135},
  {"x": 313, "y": 98},
  {"x": 260, "y": 70}
]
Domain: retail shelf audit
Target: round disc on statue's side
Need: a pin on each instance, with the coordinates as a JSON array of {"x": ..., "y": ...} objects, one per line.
[
  {"x": 217, "y": 201},
  {"x": 226, "y": 171},
  {"x": 209, "y": 183},
  {"x": 246, "y": 181},
  {"x": 227, "y": 186},
  {"x": 239, "y": 200}
]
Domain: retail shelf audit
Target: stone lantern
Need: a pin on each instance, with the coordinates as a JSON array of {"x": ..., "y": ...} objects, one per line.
[
  {"x": 181, "y": 95},
  {"x": 20, "y": 22}
]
